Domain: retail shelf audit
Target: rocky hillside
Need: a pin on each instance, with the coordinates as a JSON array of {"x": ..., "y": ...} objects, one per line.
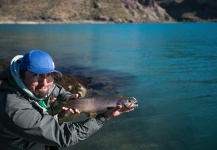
[
  {"x": 119, "y": 11},
  {"x": 191, "y": 10}
]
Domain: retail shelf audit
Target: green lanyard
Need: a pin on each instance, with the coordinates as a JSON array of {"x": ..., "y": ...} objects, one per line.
[{"x": 42, "y": 103}]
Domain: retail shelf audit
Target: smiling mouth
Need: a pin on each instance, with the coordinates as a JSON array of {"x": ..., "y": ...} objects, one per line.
[{"x": 41, "y": 89}]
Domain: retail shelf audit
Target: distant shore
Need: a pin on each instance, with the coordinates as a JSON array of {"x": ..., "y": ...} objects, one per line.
[
  {"x": 56, "y": 22},
  {"x": 77, "y": 22}
]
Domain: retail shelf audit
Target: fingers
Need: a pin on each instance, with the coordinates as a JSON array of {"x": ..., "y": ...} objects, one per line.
[
  {"x": 122, "y": 109},
  {"x": 76, "y": 111},
  {"x": 128, "y": 110},
  {"x": 119, "y": 107},
  {"x": 72, "y": 97},
  {"x": 117, "y": 111}
]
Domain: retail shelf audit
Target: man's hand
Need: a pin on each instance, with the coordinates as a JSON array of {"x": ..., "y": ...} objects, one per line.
[
  {"x": 75, "y": 111},
  {"x": 117, "y": 111}
]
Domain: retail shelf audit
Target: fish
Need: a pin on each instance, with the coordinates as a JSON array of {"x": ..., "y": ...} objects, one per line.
[
  {"x": 97, "y": 105},
  {"x": 101, "y": 104}
]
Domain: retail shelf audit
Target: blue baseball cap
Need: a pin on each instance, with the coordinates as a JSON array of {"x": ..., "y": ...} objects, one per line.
[{"x": 38, "y": 62}]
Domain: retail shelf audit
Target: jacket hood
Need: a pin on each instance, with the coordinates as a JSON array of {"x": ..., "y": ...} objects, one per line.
[{"x": 12, "y": 73}]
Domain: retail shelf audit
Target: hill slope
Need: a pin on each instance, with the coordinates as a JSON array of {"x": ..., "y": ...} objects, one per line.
[
  {"x": 82, "y": 10},
  {"x": 118, "y": 11}
]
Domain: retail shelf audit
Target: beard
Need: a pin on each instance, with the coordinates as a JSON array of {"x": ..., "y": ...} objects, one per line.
[{"x": 40, "y": 94}]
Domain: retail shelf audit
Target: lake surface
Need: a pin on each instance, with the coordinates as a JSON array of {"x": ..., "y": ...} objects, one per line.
[{"x": 170, "y": 68}]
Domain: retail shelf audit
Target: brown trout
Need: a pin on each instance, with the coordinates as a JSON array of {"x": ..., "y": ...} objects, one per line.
[{"x": 101, "y": 104}]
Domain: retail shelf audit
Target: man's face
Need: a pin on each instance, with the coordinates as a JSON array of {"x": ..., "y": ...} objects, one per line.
[{"x": 38, "y": 84}]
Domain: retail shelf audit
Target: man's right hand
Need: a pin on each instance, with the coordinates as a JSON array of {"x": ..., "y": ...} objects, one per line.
[{"x": 117, "y": 111}]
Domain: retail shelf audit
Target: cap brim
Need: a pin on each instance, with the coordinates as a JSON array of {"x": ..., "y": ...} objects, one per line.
[{"x": 44, "y": 71}]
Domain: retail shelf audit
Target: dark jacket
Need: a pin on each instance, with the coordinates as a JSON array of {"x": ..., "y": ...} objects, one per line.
[{"x": 26, "y": 125}]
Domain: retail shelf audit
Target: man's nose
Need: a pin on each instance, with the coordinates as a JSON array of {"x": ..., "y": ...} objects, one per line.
[{"x": 43, "y": 79}]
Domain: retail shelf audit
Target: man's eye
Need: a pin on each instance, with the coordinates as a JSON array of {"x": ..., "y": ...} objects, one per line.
[
  {"x": 49, "y": 74},
  {"x": 35, "y": 74}
]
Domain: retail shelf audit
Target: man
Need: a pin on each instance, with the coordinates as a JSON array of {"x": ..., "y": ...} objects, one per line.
[{"x": 26, "y": 116}]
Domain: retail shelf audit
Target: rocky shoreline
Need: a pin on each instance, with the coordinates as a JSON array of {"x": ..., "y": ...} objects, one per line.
[{"x": 56, "y": 22}]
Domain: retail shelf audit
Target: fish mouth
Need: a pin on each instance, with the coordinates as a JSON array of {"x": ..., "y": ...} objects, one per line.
[
  {"x": 136, "y": 104},
  {"x": 133, "y": 105}
]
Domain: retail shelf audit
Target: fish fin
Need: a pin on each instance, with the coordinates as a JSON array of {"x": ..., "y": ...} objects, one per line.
[{"x": 93, "y": 115}]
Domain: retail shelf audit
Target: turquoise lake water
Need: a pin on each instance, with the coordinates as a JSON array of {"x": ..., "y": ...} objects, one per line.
[{"x": 170, "y": 68}]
